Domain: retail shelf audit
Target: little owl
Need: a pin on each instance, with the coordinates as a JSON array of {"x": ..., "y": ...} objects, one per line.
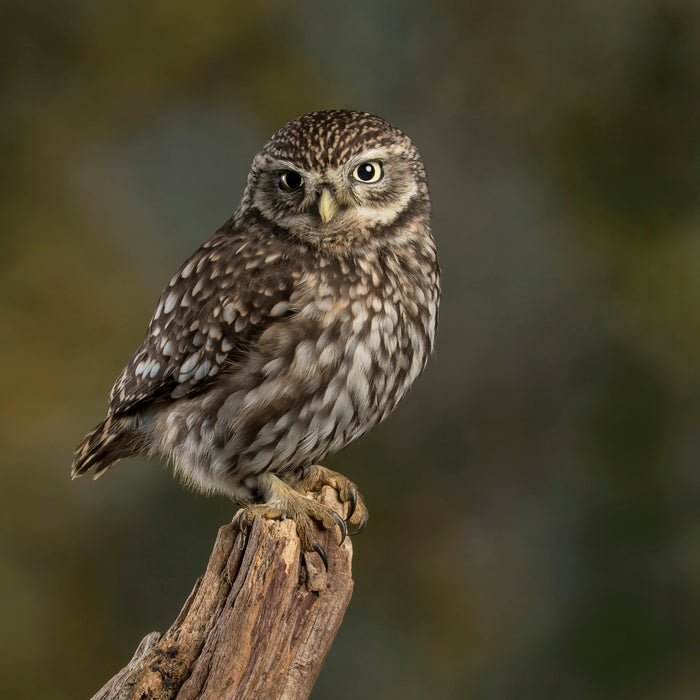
[{"x": 297, "y": 327}]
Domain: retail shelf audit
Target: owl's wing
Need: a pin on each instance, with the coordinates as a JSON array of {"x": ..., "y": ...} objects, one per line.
[{"x": 215, "y": 306}]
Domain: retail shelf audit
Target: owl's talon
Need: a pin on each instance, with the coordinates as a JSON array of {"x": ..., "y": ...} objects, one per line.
[
  {"x": 358, "y": 530},
  {"x": 342, "y": 527},
  {"x": 352, "y": 503},
  {"x": 360, "y": 527},
  {"x": 282, "y": 501},
  {"x": 316, "y": 477},
  {"x": 321, "y": 553}
]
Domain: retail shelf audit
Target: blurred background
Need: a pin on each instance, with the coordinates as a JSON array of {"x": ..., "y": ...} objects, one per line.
[{"x": 535, "y": 500}]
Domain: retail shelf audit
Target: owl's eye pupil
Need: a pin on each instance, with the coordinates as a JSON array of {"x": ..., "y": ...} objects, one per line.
[
  {"x": 365, "y": 171},
  {"x": 370, "y": 171},
  {"x": 290, "y": 180}
]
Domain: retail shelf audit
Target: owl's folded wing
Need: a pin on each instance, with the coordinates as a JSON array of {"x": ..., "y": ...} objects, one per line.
[{"x": 214, "y": 308}]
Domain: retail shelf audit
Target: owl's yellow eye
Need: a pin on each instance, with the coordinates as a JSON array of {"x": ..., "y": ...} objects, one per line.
[
  {"x": 290, "y": 180},
  {"x": 369, "y": 171}
]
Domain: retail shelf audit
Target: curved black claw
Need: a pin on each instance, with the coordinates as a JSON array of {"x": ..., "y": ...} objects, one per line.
[
  {"x": 352, "y": 500},
  {"x": 239, "y": 522},
  {"x": 342, "y": 527},
  {"x": 360, "y": 527},
  {"x": 321, "y": 553}
]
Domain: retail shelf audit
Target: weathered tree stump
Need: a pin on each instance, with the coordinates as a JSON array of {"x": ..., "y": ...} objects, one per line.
[{"x": 258, "y": 624}]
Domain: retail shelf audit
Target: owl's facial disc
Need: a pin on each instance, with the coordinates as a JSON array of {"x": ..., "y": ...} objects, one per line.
[{"x": 343, "y": 202}]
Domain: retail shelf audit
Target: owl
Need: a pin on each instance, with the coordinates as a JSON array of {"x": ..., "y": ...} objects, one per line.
[{"x": 293, "y": 330}]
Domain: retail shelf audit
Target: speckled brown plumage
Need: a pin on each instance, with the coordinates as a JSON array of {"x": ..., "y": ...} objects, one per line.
[{"x": 293, "y": 330}]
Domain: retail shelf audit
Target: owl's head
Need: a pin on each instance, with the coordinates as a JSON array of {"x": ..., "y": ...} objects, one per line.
[{"x": 338, "y": 178}]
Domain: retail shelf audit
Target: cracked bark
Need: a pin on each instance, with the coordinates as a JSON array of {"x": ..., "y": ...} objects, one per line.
[{"x": 258, "y": 624}]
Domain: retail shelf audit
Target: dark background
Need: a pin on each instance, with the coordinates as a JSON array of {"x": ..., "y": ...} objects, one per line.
[{"x": 535, "y": 500}]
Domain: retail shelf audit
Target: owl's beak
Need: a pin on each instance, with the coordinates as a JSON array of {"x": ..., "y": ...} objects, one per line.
[{"x": 327, "y": 206}]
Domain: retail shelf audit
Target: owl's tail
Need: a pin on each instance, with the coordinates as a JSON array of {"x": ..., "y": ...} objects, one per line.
[{"x": 110, "y": 441}]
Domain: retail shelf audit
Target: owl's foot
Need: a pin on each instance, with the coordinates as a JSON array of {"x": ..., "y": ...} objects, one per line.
[
  {"x": 283, "y": 501},
  {"x": 316, "y": 477}
]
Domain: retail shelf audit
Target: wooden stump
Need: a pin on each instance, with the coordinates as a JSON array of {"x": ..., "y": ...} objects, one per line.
[{"x": 258, "y": 624}]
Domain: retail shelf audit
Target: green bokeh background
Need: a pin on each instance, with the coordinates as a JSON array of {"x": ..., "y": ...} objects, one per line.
[{"x": 535, "y": 500}]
